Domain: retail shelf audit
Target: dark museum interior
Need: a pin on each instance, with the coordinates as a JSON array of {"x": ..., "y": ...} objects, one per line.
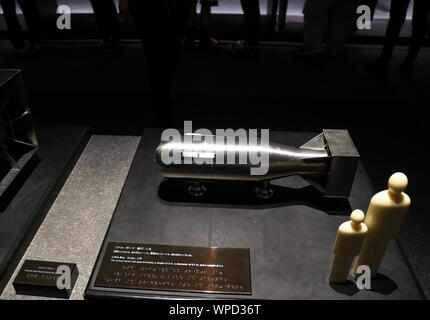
[{"x": 98, "y": 99}]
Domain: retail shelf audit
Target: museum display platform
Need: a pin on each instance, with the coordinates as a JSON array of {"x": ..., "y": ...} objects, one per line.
[
  {"x": 27, "y": 201},
  {"x": 289, "y": 236}
]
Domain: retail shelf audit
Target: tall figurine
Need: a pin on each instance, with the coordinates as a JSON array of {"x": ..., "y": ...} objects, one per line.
[
  {"x": 347, "y": 245},
  {"x": 385, "y": 216}
]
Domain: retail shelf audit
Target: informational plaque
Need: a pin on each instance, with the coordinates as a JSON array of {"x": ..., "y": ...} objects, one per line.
[
  {"x": 175, "y": 268},
  {"x": 39, "y": 278}
]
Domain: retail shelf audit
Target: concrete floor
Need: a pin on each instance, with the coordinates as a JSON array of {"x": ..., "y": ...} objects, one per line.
[{"x": 76, "y": 224}]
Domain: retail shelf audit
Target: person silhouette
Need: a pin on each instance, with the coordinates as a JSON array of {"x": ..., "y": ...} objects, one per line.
[
  {"x": 201, "y": 23},
  {"x": 398, "y": 13},
  {"x": 251, "y": 12},
  {"x": 107, "y": 19},
  {"x": 161, "y": 26},
  {"x": 31, "y": 13},
  {"x": 332, "y": 19}
]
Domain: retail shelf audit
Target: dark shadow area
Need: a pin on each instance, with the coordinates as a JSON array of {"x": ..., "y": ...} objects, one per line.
[
  {"x": 380, "y": 283},
  {"x": 349, "y": 288},
  {"x": 18, "y": 182},
  {"x": 383, "y": 284},
  {"x": 236, "y": 194}
]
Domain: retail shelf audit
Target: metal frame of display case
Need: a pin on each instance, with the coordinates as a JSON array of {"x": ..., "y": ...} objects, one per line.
[{"x": 18, "y": 142}]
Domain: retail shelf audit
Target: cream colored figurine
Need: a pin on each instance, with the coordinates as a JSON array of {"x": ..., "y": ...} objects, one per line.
[
  {"x": 384, "y": 218},
  {"x": 347, "y": 245}
]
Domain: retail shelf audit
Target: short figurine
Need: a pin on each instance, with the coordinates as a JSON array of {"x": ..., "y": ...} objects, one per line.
[
  {"x": 349, "y": 239},
  {"x": 384, "y": 218}
]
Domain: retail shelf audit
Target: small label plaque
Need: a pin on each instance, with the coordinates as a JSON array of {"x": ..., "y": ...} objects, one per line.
[
  {"x": 39, "y": 278},
  {"x": 175, "y": 268}
]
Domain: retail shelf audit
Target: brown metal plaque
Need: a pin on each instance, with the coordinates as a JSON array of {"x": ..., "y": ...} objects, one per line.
[{"x": 175, "y": 268}]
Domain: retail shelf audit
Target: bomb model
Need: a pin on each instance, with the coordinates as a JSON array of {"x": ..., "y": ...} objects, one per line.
[{"x": 328, "y": 161}]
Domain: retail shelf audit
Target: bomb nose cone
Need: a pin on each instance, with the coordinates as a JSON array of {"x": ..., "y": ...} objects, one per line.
[
  {"x": 398, "y": 182},
  {"x": 357, "y": 216}
]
